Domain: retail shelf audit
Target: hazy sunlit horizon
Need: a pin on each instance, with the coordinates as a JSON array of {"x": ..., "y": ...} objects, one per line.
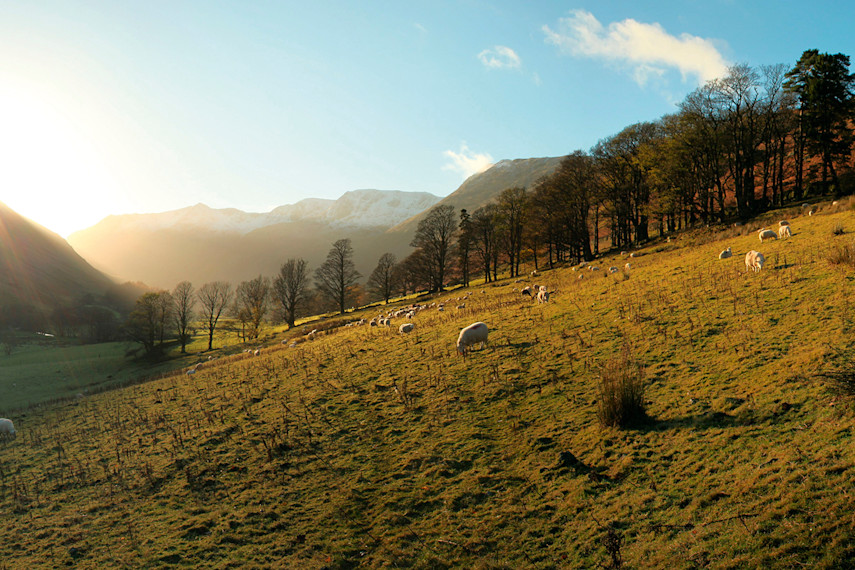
[{"x": 114, "y": 108}]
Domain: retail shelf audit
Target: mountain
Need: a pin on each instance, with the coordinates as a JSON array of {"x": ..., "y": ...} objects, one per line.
[
  {"x": 39, "y": 270},
  {"x": 202, "y": 244},
  {"x": 482, "y": 188}
]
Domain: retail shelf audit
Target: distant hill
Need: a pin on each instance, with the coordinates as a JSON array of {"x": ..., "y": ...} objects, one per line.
[
  {"x": 39, "y": 270},
  {"x": 202, "y": 244},
  {"x": 480, "y": 189}
]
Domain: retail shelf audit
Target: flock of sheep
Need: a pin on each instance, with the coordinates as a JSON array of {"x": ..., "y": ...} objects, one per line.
[{"x": 754, "y": 260}]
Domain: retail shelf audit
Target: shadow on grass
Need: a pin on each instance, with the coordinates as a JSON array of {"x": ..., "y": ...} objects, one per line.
[{"x": 717, "y": 420}]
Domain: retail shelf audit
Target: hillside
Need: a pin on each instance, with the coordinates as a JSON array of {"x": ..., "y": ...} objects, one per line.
[
  {"x": 38, "y": 269},
  {"x": 480, "y": 189},
  {"x": 202, "y": 244},
  {"x": 367, "y": 448}
]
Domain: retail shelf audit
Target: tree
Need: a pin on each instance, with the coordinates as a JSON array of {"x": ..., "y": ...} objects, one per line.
[
  {"x": 484, "y": 239},
  {"x": 147, "y": 323},
  {"x": 381, "y": 281},
  {"x": 823, "y": 86},
  {"x": 183, "y": 301},
  {"x": 511, "y": 208},
  {"x": 434, "y": 237},
  {"x": 289, "y": 288},
  {"x": 251, "y": 304},
  {"x": 214, "y": 298},
  {"x": 464, "y": 244},
  {"x": 337, "y": 274}
]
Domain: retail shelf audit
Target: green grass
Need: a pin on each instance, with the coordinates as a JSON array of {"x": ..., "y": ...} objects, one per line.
[{"x": 366, "y": 448}]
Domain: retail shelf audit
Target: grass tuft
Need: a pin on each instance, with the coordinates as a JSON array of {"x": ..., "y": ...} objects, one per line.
[
  {"x": 842, "y": 255},
  {"x": 621, "y": 392},
  {"x": 838, "y": 230}
]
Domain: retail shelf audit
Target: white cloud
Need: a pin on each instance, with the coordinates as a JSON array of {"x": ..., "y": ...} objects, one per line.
[
  {"x": 467, "y": 162},
  {"x": 500, "y": 57},
  {"x": 647, "y": 49}
]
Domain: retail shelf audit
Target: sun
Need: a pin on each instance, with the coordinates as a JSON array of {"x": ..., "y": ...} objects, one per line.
[{"x": 50, "y": 172}]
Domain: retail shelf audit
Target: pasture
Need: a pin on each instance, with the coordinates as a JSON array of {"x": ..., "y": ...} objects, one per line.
[{"x": 368, "y": 448}]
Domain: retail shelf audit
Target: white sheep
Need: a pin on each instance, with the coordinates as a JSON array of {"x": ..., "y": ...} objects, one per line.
[
  {"x": 543, "y": 295},
  {"x": 754, "y": 261},
  {"x": 461, "y": 306},
  {"x": 613, "y": 269},
  {"x": 406, "y": 327},
  {"x": 534, "y": 273},
  {"x": 767, "y": 234},
  {"x": 725, "y": 254},
  {"x": 526, "y": 291},
  {"x": 628, "y": 266},
  {"x": 473, "y": 334},
  {"x": 783, "y": 223},
  {"x": 784, "y": 231},
  {"x": 7, "y": 428}
]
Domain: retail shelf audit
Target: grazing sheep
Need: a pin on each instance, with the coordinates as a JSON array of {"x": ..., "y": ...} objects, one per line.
[
  {"x": 784, "y": 231},
  {"x": 767, "y": 234},
  {"x": 406, "y": 327},
  {"x": 473, "y": 334},
  {"x": 811, "y": 212},
  {"x": 754, "y": 261},
  {"x": 613, "y": 269},
  {"x": 632, "y": 254},
  {"x": 526, "y": 291},
  {"x": 594, "y": 268},
  {"x": 191, "y": 371},
  {"x": 7, "y": 428},
  {"x": 256, "y": 352},
  {"x": 461, "y": 306},
  {"x": 783, "y": 223},
  {"x": 627, "y": 266},
  {"x": 725, "y": 254},
  {"x": 534, "y": 273},
  {"x": 543, "y": 295}
]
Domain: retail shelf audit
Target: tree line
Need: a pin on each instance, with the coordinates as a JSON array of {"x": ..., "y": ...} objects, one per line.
[{"x": 739, "y": 145}]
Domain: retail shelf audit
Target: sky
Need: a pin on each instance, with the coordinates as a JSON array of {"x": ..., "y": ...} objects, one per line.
[{"x": 122, "y": 107}]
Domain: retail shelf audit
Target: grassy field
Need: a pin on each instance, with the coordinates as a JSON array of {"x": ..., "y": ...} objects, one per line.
[{"x": 367, "y": 448}]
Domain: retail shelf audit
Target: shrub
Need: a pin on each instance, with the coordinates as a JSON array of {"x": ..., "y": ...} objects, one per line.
[{"x": 621, "y": 397}]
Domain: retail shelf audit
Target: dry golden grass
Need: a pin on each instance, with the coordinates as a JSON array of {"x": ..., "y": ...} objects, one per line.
[{"x": 367, "y": 448}]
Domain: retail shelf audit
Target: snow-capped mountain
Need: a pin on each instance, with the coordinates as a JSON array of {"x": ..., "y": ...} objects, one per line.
[{"x": 357, "y": 208}]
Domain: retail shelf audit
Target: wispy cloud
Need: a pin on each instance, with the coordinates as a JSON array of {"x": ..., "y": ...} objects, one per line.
[
  {"x": 500, "y": 57},
  {"x": 647, "y": 50},
  {"x": 467, "y": 162}
]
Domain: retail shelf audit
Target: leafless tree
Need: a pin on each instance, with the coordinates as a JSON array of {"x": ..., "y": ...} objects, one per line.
[
  {"x": 337, "y": 275},
  {"x": 251, "y": 304},
  {"x": 289, "y": 288},
  {"x": 214, "y": 298},
  {"x": 381, "y": 281},
  {"x": 183, "y": 300}
]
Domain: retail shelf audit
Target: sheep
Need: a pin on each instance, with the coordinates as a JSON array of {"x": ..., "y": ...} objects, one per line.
[
  {"x": 725, "y": 254},
  {"x": 191, "y": 371},
  {"x": 754, "y": 261},
  {"x": 534, "y": 273},
  {"x": 811, "y": 212},
  {"x": 7, "y": 428},
  {"x": 543, "y": 296},
  {"x": 471, "y": 335},
  {"x": 767, "y": 234},
  {"x": 783, "y": 223},
  {"x": 526, "y": 291},
  {"x": 406, "y": 327},
  {"x": 632, "y": 254},
  {"x": 461, "y": 306},
  {"x": 784, "y": 231},
  {"x": 628, "y": 266},
  {"x": 594, "y": 268},
  {"x": 613, "y": 270}
]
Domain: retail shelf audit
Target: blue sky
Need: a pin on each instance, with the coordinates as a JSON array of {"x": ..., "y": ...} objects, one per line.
[{"x": 120, "y": 107}]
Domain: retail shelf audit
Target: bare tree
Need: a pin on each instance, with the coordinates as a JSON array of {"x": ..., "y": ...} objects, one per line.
[
  {"x": 147, "y": 323},
  {"x": 251, "y": 304},
  {"x": 289, "y": 288},
  {"x": 214, "y": 298},
  {"x": 381, "y": 281},
  {"x": 337, "y": 275},
  {"x": 183, "y": 301},
  {"x": 434, "y": 237}
]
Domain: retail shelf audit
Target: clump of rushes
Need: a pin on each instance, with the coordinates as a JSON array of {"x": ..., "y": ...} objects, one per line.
[
  {"x": 842, "y": 255},
  {"x": 838, "y": 229},
  {"x": 621, "y": 391}
]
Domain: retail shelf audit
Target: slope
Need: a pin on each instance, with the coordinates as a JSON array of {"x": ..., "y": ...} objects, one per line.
[
  {"x": 39, "y": 269},
  {"x": 484, "y": 187},
  {"x": 368, "y": 448}
]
